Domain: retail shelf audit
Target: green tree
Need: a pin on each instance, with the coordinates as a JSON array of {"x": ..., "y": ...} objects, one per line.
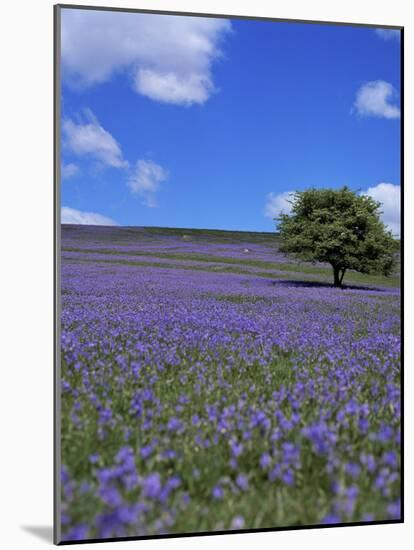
[{"x": 338, "y": 227}]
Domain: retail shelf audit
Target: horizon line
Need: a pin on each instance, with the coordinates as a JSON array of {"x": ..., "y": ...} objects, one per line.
[{"x": 167, "y": 227}]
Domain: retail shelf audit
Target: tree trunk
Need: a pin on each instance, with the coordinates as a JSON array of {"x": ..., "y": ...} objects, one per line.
[{"x": 337, "y": 276}]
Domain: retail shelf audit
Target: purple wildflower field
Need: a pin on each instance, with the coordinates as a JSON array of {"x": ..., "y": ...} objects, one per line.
[{"x": 209, "y": 383}]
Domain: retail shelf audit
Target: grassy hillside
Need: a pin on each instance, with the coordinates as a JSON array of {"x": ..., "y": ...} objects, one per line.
[{"x": 255, "y": 253}]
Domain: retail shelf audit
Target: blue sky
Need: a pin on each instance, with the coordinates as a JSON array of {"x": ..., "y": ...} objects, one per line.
[{"x": 211, "y": 123}]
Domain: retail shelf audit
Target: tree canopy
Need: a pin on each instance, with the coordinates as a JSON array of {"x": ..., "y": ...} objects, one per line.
[{"x": 339, "y": 227}]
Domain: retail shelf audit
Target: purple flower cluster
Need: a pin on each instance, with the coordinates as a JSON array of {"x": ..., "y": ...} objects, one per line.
[{"x": 200, "y": 399}]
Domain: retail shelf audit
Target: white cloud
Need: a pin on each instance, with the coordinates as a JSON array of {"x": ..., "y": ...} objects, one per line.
[
  {"x": 388, "y": 195},
  {"x": 146, "y": 179},
  {"x": 69, "y": 170},
  {"x": 388, "y": 34},
  {"x": 70, "y": 215},
  {"x": 278, "y": 203},
  {"x": 89, "y": 138},
  {"x": 375, "y": 99},
  {"x": 170, "y": 58},
  {"x": 173, "y": 88}
]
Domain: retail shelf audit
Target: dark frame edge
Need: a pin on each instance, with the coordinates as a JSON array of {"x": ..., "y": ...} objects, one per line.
[
  {"x": 56, "y": 274},
  {"x": 235, "y": 532},
  {"x": 402, "y": 267},
  {"x": 226, "y": 16}
]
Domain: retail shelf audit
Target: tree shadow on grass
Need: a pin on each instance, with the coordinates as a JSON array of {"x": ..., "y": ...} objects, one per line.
[{"x": 315, "y": 284}]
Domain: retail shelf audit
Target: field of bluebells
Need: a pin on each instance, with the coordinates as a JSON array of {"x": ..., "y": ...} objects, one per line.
[{"x": 209, "y": 383}]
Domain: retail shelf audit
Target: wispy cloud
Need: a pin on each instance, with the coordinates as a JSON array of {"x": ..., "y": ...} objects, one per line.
[
  {"x": 69, "y": 170},
  {"x": 173, "y": 88},
  {"x": 388, "y": 195},
  {"x": 87, "y": 137},
  {"x": 278, "y": 203},
  {"x": 170, "y": 58},
  {"x": 145, "y": 180},
  {"x": 377, "y": 99},
  {"x": 388, "y": 34},
  {"x": 70, "y": 215}
]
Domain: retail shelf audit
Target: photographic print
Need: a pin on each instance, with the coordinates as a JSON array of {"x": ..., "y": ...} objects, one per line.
[{"x": 228, "y": 269}]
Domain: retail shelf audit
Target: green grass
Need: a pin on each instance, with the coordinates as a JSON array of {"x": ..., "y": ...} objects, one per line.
[
  {"x": 318, "y": 273},
  {"x": 127, "y": 235}
]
